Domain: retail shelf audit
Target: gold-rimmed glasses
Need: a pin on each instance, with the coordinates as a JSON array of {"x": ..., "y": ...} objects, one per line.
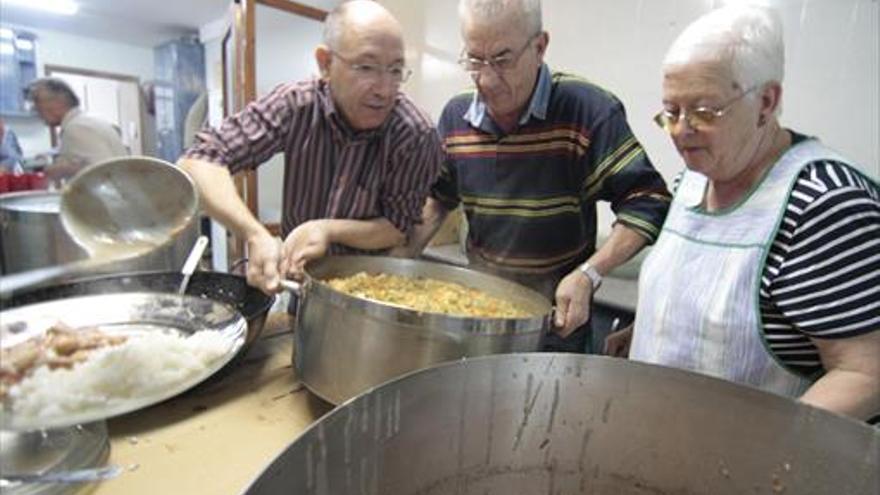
[
  {"x": 696, "y": 118},
  {"x": 499, "y": 63}
]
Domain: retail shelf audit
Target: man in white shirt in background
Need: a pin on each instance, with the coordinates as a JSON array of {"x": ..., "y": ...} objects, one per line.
[{"x": 85, "y": 139}]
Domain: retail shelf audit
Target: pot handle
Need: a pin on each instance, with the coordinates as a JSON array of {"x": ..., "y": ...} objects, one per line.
[
  {"x": 292, "y": 286},
  {"x": 237, "y": 264}
]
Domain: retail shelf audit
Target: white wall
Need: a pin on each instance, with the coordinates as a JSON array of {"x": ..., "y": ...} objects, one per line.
[
  {"x": 285, "y": 52},
  {"x": 57, "y": 48},
  {"x": 831, "y": 87},
  {"x": 285, "y": 45}
]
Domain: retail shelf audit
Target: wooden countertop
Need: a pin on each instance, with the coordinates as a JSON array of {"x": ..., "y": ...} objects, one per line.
[{"x": 218, "y": 437}]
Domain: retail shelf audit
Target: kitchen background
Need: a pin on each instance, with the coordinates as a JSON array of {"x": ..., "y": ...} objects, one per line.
[{"x": 832, "y": 88}]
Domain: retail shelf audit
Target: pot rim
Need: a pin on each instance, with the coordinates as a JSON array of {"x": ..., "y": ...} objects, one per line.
[{"x": 314, "y": 286}]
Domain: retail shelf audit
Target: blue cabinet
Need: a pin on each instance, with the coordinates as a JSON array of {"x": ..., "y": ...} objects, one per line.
[
  {"x": 180, "y": 79},
  {"x": 18, "y": 67}
]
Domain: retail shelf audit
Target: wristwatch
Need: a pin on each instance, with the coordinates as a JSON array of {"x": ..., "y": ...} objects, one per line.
[{"x": 591, "y": 273}]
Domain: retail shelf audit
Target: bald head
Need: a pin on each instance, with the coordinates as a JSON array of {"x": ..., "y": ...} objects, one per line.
[{"x": 356, "y": 16}]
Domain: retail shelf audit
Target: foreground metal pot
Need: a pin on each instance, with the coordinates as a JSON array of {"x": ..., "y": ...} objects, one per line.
[
  {"x": 553, "y": 423},
  {"x": 345, "y": 345}
]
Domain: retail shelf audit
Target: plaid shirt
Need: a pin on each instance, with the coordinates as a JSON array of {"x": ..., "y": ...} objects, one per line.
[{"x": 331, "y": 170}]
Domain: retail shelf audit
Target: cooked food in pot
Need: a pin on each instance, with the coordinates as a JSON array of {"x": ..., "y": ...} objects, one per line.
[{"x": 427, "y": 295}]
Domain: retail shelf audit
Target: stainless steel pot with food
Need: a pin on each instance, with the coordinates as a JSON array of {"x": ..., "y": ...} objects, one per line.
[
  {"x": 346, "y": 344},
  {"x": 566, "y": 424}
]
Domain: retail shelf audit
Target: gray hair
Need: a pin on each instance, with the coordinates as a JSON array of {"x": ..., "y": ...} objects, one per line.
[
  {"x": 335, "y": 23},
  {"x": 54, "y": 87},
  {"x": 333, "y": 26},
  {"x": 487, "y": 10},
  {"x": 748, "y": 39}
]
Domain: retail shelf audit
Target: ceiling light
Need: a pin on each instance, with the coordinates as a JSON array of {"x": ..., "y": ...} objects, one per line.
[
  {"x": 24, "y": 44},
  {"x": 65, "y": 7}
]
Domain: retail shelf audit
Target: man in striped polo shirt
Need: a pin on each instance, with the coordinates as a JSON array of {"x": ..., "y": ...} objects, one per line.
[
  {"x": 360, "y": 157},
  {"x": 528, "y": 155}
]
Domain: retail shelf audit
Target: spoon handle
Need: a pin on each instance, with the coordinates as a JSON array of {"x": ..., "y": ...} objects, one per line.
[{"x": 189, "y": 266}]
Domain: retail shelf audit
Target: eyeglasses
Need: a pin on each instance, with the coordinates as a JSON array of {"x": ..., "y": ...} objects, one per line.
[
  {"x": 499, "y": 64},
  {"x": 373, "y": 72},
  {"x": 696, "y": 118}
]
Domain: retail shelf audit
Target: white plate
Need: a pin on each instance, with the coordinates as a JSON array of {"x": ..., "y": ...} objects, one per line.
[{"x": 126, "y": 314}]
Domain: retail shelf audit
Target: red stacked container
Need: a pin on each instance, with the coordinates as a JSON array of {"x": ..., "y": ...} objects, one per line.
[{"x": 22, "y": 182}]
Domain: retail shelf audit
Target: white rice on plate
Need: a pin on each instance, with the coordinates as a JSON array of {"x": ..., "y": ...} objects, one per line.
[{"x": 145, "y": 365}]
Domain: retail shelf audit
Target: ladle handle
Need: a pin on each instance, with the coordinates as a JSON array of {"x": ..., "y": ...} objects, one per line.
[
  {"x": 74, "y": 476},
  {"x": 291, "y": 286},
  {"x": 189, "y": 266},
  {"x": 18, "y": 282}
]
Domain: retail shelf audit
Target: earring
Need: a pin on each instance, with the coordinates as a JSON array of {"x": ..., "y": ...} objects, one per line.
[{"x": 762, "y": 120}]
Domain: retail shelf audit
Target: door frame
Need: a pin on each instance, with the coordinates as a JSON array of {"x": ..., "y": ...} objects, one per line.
[{"x": 242, "y": 33}]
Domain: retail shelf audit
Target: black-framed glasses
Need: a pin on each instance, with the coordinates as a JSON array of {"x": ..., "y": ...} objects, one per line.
[
  {"x": 696, "y": 118},
  {"x": 499, "y": 63},
  {"x": 399, "y": 73}
]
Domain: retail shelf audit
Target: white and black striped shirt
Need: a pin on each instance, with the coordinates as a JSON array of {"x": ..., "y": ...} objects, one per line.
[{"x": 822, "y": 275}]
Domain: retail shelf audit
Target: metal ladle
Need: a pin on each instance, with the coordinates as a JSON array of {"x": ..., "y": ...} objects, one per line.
[
  {"x": 117, "y": 210},
  {"x": 86, "y": 475}
]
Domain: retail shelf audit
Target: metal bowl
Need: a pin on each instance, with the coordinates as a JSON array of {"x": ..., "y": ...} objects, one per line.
[
  {"x": 563, "y": 423},
  {"x": 129, "y": 206}
]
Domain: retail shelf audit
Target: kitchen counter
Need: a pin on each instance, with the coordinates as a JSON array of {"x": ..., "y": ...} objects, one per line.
[
  {"x": 218, "y": 437},
  {"x": 619, "y": 289}
]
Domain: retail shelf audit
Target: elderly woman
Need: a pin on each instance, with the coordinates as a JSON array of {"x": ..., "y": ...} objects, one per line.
[{"x": 767, "y": 270}]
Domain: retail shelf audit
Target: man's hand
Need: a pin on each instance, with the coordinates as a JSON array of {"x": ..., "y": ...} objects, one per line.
[
  {"x": 307, "y": 242},
  {"x": 617, "y": 343},
  {"x": 573, "y": 297},
  {"x": 63, "y": 168},
  {"x": 264, "y": 256}
]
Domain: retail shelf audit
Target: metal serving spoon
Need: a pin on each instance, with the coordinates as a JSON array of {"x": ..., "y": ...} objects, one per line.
[{"x": 116, "y": 210}]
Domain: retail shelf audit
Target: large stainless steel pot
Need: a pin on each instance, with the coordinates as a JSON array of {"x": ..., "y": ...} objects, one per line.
[
  {"x": 564, "y": 424},
  {"x": 345, "y": 345},
  {"x": 32, "y": 237}
]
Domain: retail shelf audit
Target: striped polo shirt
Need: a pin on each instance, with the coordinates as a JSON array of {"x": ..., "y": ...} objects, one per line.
[
  {"x": 530, "y": 195},
  {"x": 331, "y": 170}
]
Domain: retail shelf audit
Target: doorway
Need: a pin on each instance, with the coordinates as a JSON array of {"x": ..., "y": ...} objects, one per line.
[{"x": 112, "y": 97}]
